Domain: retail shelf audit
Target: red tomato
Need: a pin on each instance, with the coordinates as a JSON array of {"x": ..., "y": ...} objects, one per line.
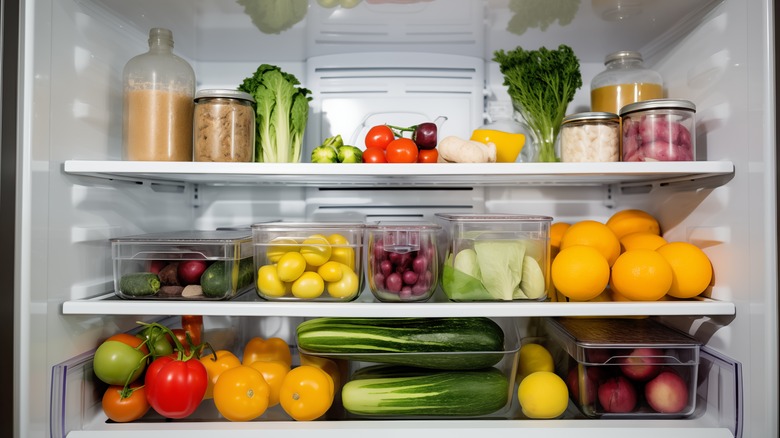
[
  {"x": 428, "y": 156},
  {"x": 193, "y": 324},
  {"x": 374, "y": 155},
  {"x": 123, "y": 405},
  {"x": 175, "y": 387},
  {"x": 401, "y": 150},
  {"x": 379, "y": 136}
]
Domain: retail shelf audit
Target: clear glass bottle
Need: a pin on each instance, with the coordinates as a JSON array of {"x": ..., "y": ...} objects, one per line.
[
  {"x": 158, "y": 103},
  {"x": 625, "y": 80}
]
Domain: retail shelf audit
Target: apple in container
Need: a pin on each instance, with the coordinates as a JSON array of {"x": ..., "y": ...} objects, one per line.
[
  {"x": 667, "y": 392},
  {"x": 642, "y": 364}
]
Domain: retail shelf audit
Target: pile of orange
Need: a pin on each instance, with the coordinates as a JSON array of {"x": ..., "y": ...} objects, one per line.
[{"x": 628, "y": 254}]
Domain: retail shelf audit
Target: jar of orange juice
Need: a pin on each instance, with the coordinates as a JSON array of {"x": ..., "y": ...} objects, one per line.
[{"x": 625, "y": 80}]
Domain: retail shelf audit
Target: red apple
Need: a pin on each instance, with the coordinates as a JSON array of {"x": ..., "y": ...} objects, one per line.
[
  {"x": 156, "y": 265},
  {"x": 642, "y": 364},
  {"x": 667, "y": 392},
  {"x": 592, "y": 377},
  {"x": 617, "y": 395},
  {"x": 190, "y": 271}
]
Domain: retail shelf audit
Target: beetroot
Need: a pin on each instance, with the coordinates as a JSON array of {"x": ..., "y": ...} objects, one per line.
[
  {"x": 402, "y": 276},
  {"x": 656, "y": 138}
]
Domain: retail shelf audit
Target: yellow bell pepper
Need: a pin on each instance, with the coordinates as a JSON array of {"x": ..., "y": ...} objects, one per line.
[
  {"x": 508, "y": 144},
  {"x": 258, "y": 349}
]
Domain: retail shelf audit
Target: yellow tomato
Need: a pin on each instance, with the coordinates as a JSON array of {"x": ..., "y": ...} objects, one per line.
[
  {"x": 241, "y": 394},
  {"x": 273, "y": 372},
  {"x": 316, "y": 250},
  {"x": 269, "y": 283},
  {"x": 291, "y": 265},
  {"x": 215, "y": 366},
  {"x": 259, "y": 349},
  {"x": 308, "y": 286},
  {"x": 330, "y": 366},
  {"x": 306, "y": 393}
]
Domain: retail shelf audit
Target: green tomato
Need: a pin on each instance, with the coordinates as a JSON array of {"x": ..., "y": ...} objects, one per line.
[
  {"x": 117, "y": 362},
  {"x": 156, "y": 341},
  {"x": 324, "y": 154},
  {"x": 350, "y": 154}
]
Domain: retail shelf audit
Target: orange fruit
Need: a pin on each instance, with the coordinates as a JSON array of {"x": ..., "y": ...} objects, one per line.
[
  {"x": 642, "y": 275},
  {"x": 580, "y": 272},
  {"x": 594, "y": 234},
  {"x": 556, "y": 233},
  {"x": 642, "y": 240},
  {"x": 691, "y": 268},
  {"x": 633, "y": 221}
]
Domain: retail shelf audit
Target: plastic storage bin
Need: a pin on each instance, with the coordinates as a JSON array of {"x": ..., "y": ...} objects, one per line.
[
  {"x": 184, "y": 265},
  {"x": 402, "y": 261},
  {"x": 625, "y": 368},
  {"x": 317, "y": 261},
  {"x": 659, "y": 130},
  {"x": 495, "y": 257}
]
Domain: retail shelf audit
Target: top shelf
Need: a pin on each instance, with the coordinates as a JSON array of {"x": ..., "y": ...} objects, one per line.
[{"x": 699, "y": 174}]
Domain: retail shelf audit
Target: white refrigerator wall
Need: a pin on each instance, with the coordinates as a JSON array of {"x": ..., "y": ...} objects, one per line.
[{"x": 719, "y": 55}]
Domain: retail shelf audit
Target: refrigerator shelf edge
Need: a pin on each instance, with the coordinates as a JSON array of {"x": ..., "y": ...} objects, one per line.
[
  {"x": 248, "y": 305},
  {"x": 697, "y": 174}
]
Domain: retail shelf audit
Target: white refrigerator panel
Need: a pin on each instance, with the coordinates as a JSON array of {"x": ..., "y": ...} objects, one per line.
[{"x": 74, "y": 192}]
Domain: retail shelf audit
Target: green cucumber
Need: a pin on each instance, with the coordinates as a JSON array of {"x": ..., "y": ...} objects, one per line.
[
  {"x": 436, "y": 343},
  {"x": 217, "y": 283},
  {"x": 139, "y": 284},
  {"x": 406, "y": 391}
]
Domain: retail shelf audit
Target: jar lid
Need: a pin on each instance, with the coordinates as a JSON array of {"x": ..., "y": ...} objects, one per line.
[
  {"x": 230, "y": 94},
  {"x": 673, "y": 104},
  {"x": 593, "y": 116},
  {"x": 622, "y": 54}
]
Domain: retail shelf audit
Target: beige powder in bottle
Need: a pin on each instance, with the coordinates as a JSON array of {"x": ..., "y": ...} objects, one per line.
[{"x": 159, "y": 125}]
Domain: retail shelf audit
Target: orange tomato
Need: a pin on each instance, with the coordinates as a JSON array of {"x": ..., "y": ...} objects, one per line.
[
  {"x": 374, "y": 155},
  {"x": 266, "y": 349},
  {"x": 328, "y": 365},
  {"x": 273, "y": 372},
  {"x": 307, "y": 393},
  {"x": 224, "y": 361},
  {"x": 427, "y": 156},
  {"x": 123, "y": 405},
  {"x": 241, "y": 394},
  {"x": 401, "y": 150}
]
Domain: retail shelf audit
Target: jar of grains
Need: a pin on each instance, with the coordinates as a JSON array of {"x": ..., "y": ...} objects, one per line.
[
  {"x": 590, "y": 137},
  {"x": 224, "y": 126}
]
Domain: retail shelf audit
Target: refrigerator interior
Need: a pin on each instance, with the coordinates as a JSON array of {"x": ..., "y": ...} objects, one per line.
[{"x": 415, "y": 61}]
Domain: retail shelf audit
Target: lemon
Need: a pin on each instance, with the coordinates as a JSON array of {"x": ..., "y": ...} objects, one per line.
[
  {"x": 279, "y": 246},
  {"x": 330, "y": 271},
  {"x": 309, "y": 285},
  {"x": 691, "y": 268},
  {"x": 543, "y": 394},
  {"x": 316, "y": 250},
  {"x": 268, "y": 282},
  {"x": 642, "y": 275},
  {"x": 594, "y": 234},
  {"x": 291, "y": 265},
  {"x": 629, "y": 221},
  {"x": 580, "y": 272},
  {"x": 533, "y": 358}
]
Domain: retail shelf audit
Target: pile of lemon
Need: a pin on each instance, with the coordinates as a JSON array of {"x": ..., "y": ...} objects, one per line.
[
  {"x": 542, "y": 393},
  {"x": 628, "y": 254}
]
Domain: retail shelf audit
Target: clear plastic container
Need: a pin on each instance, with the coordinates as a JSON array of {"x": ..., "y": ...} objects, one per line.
[
  {"x": 659, "y": 130},
  {"x": 590, "y": 137},
  {"x": 625, "y": 80},
  {"x": 625, "y": 368},
  {"x": 314, "y": 261},
  {"x": 183, "y": 265},
  {"x": 224, "y": 126},
  {"x": 495, "y": 257},
  {"x": 402, "y": 261},
  {"x": 158, "y": 91}
]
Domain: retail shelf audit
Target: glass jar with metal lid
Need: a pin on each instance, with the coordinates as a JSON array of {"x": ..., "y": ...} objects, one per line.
[
  {"x": 224, "y": 126},
  {"x": 590, "y": 137},
  {"x": 625, "y": 80},
  {"x": 659, "y": 130}
]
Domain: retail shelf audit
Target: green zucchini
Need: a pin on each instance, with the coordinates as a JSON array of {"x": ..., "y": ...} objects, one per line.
[
  {"x": 436, "y": 343},
  {"x": 388, "y": 390},
  {"x": 216, "y": 282},
  {"x": 139, "y": 284}
]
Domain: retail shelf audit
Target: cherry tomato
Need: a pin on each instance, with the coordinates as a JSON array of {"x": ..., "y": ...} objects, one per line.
[
  {"x": 122, "y": 404},
  {"x": 374, "y": 155},
  {"x": 241, "y": 394},
  {"x": 401, "y": 150},
  {"x": 379, "y": 136},
  {"x": 224, "y": 361},
  {"x": 175, "y": 387},
  {"x": 428, "y": 156},
  {"x": 120, "y": 359},
  {"x": 193, "y": 324},
  {"x": 306, "y": 393},
  {"x": 258, "y": 348},
  {"x": 273, "y": 372}
]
